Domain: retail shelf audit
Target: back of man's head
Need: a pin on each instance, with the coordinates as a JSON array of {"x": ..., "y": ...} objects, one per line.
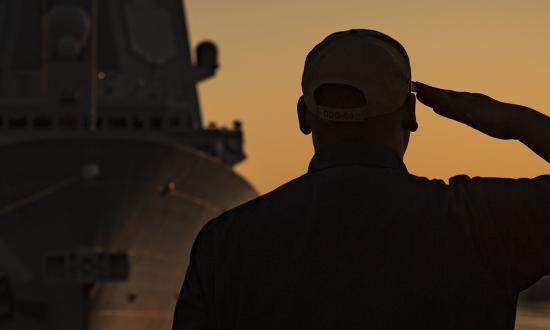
[{"x": 357, "y": 83}]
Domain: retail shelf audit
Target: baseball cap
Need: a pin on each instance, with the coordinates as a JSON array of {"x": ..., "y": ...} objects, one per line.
[{"x": 371, "y": 62}]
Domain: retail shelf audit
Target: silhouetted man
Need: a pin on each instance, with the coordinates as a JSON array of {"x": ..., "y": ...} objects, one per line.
[{"x": 358, "y": 242}]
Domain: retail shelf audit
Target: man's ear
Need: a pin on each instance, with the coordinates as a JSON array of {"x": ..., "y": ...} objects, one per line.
[
  {"x": 410, "y": 120},
  {"x": 303, "y": 116}
]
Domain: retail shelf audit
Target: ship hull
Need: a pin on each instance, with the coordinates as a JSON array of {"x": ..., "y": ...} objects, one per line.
[{"x": 144, "y": 199}]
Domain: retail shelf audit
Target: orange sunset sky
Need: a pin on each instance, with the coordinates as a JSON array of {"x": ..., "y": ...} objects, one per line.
[{"x": 500, "y": 48}]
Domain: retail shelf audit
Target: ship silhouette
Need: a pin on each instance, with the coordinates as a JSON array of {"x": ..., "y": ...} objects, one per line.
[{"x": 107, "y": 171}]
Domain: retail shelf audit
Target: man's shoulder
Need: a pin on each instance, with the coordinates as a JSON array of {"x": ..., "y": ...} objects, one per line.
[
  {"x": 497, "y": 197},
  {"x": 291, "y": 194},
  {"x": 250, "y": 210},
  {"x": 467, "y": 182}
]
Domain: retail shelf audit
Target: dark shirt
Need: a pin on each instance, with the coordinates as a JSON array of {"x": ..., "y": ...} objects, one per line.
[{"x": 359, "y": 243}]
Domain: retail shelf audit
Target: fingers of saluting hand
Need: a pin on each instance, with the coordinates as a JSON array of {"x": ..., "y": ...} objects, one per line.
[
  {"x": 473, "y": 109},
  {"x": 444, "y": 102},
  {"x": 432, "y": 96}
]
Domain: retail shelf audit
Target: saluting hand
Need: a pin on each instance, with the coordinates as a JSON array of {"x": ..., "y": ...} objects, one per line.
[{"x": 478, "y": 111}]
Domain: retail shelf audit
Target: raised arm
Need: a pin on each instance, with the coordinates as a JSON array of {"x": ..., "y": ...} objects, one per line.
[
  {"x": 513, "y": 222},
  {"x": 494, "y": 118}
]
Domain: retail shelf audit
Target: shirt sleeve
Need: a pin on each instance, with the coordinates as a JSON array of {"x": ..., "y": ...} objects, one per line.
[
  {"x": 511, "y": 223},
  {"x": 193, "y": 309}
]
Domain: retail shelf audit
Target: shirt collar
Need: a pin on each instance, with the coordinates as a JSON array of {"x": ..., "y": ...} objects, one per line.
[{"x": 369, "y": 156}]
